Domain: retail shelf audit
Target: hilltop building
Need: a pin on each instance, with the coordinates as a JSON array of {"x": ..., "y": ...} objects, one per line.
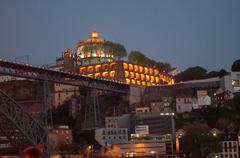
[{"x": 94, "y": 57}]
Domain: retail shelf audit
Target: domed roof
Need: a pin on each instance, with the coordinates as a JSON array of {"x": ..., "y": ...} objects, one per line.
[
  {"x": 93, "y": 39},
  {"x": 94, "y": 46}
]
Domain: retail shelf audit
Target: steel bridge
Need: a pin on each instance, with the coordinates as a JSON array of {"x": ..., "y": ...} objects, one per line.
[{"x": 22, "y": 129}]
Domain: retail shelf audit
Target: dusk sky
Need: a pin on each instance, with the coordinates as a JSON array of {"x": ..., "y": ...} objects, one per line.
[{"x": 183, "y": 33}]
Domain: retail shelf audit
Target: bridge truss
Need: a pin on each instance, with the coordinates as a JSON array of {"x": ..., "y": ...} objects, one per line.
[{"x": 23, "y": 130}]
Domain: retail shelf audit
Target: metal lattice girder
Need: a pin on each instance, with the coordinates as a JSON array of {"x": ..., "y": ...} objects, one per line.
[
  {"x": 92, "y": 118},
  {"x": 13, "y": 135},
  {"x": 12, "y": 68},
  {"x": 25, "y": 124}
]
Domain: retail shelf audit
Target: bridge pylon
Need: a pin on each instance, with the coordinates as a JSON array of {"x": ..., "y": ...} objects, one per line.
[{"x": 92, "y": 118}]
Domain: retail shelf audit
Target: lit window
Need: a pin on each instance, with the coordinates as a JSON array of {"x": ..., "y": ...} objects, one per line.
[
  {"x": 104, "y": 67},
  {"x": 97, "y": 67},
  {"x": 157, "y": 79},
  {"x": 133, "y": 81},
  {"x": 126, "y": 73},
  {"x": 150, "y": 71},
  {"x": 90, "y": 69},
  {"x": 125, "y": 66},
  {"x": 145, "y": 70},
  {"x": 90, "y": 75},
  {"x": 137, "y": 76},
  {"x": 139, "y": 82},
  {"x": 105, "y": 74},
  {"x": 135, "y": 68},
  {"x": 140, "y": 69},
  {"x": 131, "y": 75},
  {"x": 142, "y": 77},
  {"x": 97, "y": 75},
  {"x": 156, "y": 72},
  {"x": 82, "y": 70},
  {"x": 127, "y": 81},
  {"x": 112, "y": 73},
  {"x": 112, "y": 66},
  {"x": 152, "y": 78},
  {"x": 130, "y": 67},
  {"x": 147, "y": 78}
]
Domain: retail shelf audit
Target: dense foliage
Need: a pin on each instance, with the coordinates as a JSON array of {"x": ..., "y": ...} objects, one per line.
[
  {"x": 195, "y": 73},
  {"x": 119, "y": 50},
  {"x": 236, "y": 65},
  {"x": 200, "y": 144},
  {"x": 139, "y": 58}
]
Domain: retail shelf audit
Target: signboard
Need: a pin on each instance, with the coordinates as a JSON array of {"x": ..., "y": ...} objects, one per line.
[{"x": 142, "y": 129}]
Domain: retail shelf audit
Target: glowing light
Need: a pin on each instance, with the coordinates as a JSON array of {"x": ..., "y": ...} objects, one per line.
[
  {"x": 127, "y": 81},
  {"x": 130, "y": 67},
  {"x": 105, "y": 74},
  {"x": 125, "y": 66},
  {"x": 112, "y": 74},
  {"x": 126, "y": 73},
  {"x": 94, "y": 34},
  {"x": 140, "y": 69},
  {"x": 136, "y": 68}
]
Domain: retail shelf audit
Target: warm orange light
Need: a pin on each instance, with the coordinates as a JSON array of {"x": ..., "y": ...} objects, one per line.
[
  {"x": 133, "y": 81},
  {"x": 147, "y": 78},
  {"x": 177, "y": 145},
  {"x": 150, "y": 71},
  {"x": 104, "y": 67},
  {"x": 112, "y": 66},
  {"x": 90, "y": 75},
  {"x": 97, "y": 68},
  {"x": 112, "y": 74},
  {"x": 152, "y": 78},
  {"x": 136, "y": 68},
  {"x": 145, "y": 70},
  {"x": 138, "y": 82},
  {"x": 140, "y": 69},
  {"x": 148, "y": 84},
  {"x": 156, "y": 72},
  {"x": 90, "y": 69},
  {"x": 127, "y": 81},
  {"x": 82, "y": 70},
  {"x": 125, "y": 66},
  {"x": 140, "y": 145},
  {"x": 130, "y": 67},
  {"x": 157, "y": 79},
  {"x": 126, "y": 73},
  {"x": 131, "y": 74},
  {"x": 105, "y": 74},
  {"x": 97, "y": 75},
  {"x": 142, "y": 76},
  {"x": 143, "y": 83},
  {"x": 137, "y": 76},
  {"x": 94, "y": 34}
]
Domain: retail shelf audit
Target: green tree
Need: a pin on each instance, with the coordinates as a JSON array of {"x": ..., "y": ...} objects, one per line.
[
  {"x": 236, "y": 65},
  {"x": 119, "y": 50},
  {"x": 192, "y": 73},
  {"x": 220, "y": 73},
  {"x": 139, "y": 58},
  {"x": 200, "y": 144}
]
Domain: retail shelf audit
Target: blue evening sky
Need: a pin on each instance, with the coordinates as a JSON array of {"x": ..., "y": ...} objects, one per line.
[{"x": 182, "y": 32}]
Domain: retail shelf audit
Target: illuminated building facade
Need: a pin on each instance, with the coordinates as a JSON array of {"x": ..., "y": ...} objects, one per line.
[
  {"x": 127, "y": 72},
  {"x": 94, "y": 50},
  {"x": 94, "y": 58}
]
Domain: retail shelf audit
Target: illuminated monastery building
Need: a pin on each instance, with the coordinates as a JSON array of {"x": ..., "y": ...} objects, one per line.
[{"x": 94, "y": 57}]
